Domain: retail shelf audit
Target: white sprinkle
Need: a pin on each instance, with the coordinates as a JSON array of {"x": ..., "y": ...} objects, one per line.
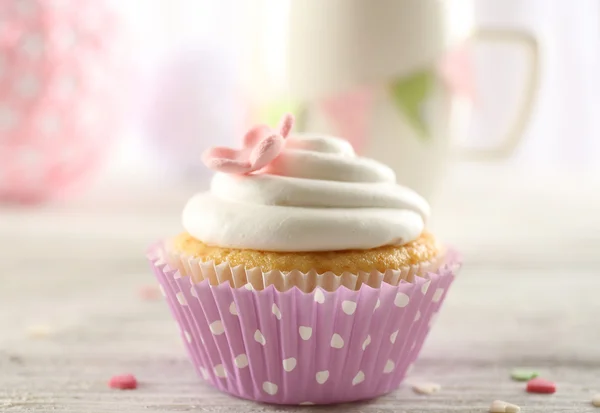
[
  {"x": 499, "y": 406},
  {"x": 426, "y": 388},
  {"x": 39, "y": 331}
]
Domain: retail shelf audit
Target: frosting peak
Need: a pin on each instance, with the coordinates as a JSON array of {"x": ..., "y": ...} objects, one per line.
[{"x": 316, "y": 195}]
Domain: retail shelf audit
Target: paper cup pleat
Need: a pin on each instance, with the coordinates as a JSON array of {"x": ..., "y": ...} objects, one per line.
[
  {"x": 217, "y": 274},
  {"x": 292, "y": 347}
]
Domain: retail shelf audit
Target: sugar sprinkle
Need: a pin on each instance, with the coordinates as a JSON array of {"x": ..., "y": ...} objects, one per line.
[
  {"x": 123, "y": 382},
  {"x": 523, "y": 374},
  {"x": 539, "y": 385},
  {"x": 39, "y": 331},
  {"x": 499, "y": 406},
  {"x": 426, "y": 388},
  {"x": 149, "y": 292}
]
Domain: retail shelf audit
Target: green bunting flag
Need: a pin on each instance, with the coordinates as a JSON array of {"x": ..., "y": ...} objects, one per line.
[
  {"x": 410, "y": 94},
  {"x": 271, "y": 114}
]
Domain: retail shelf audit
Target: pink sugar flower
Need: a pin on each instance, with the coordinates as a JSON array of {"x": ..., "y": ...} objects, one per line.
[{"x": 261, "y": 145}]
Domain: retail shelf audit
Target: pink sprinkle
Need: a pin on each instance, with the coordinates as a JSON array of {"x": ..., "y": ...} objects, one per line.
[
  {"x": 538, "y": 385},
  {"x": 149, "y": 292},
  {"x": 123, "y": 382}
]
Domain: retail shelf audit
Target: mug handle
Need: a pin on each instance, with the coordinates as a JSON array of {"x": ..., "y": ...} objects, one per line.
[{"x": 515, "y": 132}]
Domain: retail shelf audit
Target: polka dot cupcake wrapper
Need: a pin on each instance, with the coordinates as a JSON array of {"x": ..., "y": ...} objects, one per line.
[{"x": 294, "y": 347}]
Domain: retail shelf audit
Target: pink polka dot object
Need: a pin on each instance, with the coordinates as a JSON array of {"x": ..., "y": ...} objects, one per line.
[{"x": 57, "y": 105}]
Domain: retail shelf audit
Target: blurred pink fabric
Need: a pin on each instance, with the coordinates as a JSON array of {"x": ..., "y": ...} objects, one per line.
[{"x": 57, "y": 80}]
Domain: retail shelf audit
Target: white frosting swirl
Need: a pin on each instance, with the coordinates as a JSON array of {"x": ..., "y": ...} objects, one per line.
[{"x": 317, "y": 195}]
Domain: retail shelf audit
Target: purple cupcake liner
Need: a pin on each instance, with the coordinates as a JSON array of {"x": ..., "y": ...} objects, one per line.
[{"x": 304, "y": 348}]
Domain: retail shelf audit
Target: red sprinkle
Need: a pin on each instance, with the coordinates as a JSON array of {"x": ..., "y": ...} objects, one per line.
[
  {"x": 123, "y": 382},
  {"x": 538, "y": 385},
  {"x": 149, "y": 293}
]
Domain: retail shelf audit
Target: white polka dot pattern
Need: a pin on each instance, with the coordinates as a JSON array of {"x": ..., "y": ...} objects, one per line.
[
  {"x": 359, "y": 378},
  {"x": 261, "y": 342},
  {"x": 204, "y": 373},
  {"x": 305, "y": 332},
  {"x": 233, "y": 309},
  {"x": 276, "y": 312},
  {"x": 337, "y": 341},
  {"x": 259, "y": 337},
  {"x": 401, "y": 300},
  {"x": 181, "y": 298},
  {"x": 241, "y": 361},
  {"x": 437, "y": 296},
  {"x": 289, "y": 364},
  {"x": 417, "y": 315},
  {"x": 349, "y": 307},
  {"x": 270, "y": 388},
  {"x": 366, "y": 342},
  {"x": 216, "y": 327},
  {"x": 389, "y": 366},
  {"x": 319, "y": 297},
  {"x": 322, "y": 376},
  {"x": 220, "y": 371}
]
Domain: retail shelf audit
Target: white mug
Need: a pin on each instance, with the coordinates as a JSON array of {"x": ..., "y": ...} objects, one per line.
[{"x": 387, "y": 52}]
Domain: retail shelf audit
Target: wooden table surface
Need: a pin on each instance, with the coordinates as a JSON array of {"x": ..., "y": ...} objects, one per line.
[{"x": 71, "y": 315}]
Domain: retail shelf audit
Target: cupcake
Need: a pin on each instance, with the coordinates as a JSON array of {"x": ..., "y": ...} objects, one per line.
[{"x": 305, "y": 275}]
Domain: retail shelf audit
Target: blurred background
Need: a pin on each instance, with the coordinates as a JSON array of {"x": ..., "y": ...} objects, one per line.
[{"x": 487, "y": 108}]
